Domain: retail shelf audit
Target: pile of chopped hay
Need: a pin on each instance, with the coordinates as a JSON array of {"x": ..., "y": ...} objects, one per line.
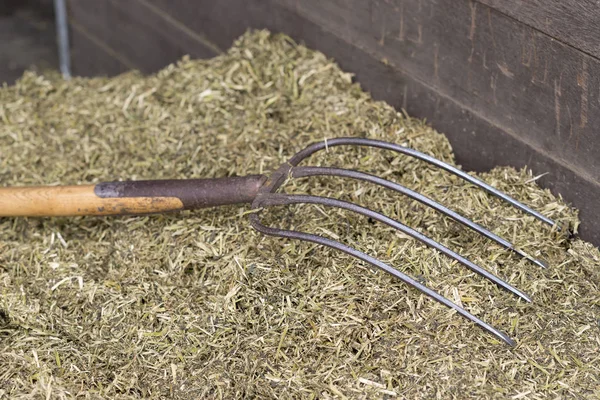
[{"x": 198, "y": 305}]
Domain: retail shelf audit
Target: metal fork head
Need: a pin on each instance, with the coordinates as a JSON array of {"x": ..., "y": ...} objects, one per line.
[{"x": 268, "y": 196}]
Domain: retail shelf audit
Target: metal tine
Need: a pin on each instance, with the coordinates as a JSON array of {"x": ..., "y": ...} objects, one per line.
[
  {"x": 301, "y": 155},
  {"x": 308, "y": 237},
  {"x": 286, "y": 199},
  {"x": 303, "y": 172}
]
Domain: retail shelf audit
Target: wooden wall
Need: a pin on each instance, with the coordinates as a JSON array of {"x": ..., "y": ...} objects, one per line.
[
  {"x": 27, "y": 38},
  {"x": 511, "y": 82}
]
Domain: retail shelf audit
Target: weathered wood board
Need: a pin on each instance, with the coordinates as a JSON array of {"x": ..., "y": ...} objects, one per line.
[
  {"x": 134, "y": 34},
  {"x": 572, "y": 22},
  {"x": 507, "y": 89}
]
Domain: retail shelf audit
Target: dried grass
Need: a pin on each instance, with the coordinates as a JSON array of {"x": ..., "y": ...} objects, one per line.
[{"x": 198, "y": 305}]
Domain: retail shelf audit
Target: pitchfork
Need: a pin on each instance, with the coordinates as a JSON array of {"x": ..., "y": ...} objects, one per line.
[{"x": 155, "y": 196}]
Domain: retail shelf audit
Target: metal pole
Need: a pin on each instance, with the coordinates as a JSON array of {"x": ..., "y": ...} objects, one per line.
[{"x": 62, "y": 35}]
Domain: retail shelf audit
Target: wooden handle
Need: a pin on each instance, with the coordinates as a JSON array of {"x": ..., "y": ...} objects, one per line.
[
  {"x": 48, "y": 201},
  {"x": 126, "y": 198}
]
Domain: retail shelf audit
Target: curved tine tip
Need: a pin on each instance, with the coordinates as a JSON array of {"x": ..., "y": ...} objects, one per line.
[
  {"x": 537, "y": 262},
  {"x": 499, "y": 334},
  {"x": 516, "y": 292},
  {"x": 524, "y": 296},
  {"x": 506, "y": 339}
]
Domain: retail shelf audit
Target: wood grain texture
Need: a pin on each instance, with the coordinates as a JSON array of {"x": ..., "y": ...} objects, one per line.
[
  {"x": 572, "y": 22},
  {"x": 134, "y": 33},
  {"x": 220, "y": 20},
  {"x": 47, "y": 201},
  {"x": 91, "y": 57}
]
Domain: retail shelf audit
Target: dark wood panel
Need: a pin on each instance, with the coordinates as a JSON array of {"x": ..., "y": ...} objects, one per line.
[
  {"x": 26, "y": 42},
  {"x": 139, "y": 32},
  {"x": 90, "y": 57},
  {"x": 220, "y": 20},
  {"x": 43, "y": 8},
  {"x": 435, "y": 93},
  {"x": 536, "y": 89},
  {"x": 576, "y": 23}
]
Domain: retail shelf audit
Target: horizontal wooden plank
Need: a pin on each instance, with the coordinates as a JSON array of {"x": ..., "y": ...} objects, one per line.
[
  {"x": 26, "y": 43},
  {"x": 138, "y": 32},
  {"x": 484, "y": 96},
  {"x": 91, "y": 57},
  {"x": 220, "y": 20},
  {"x": 574, "y": 22}
]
